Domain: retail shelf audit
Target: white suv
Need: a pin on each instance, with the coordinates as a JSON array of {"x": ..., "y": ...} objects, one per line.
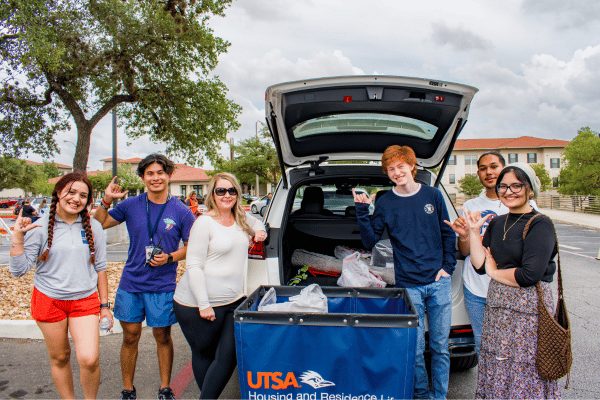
[{"x": 353, "y": 118}]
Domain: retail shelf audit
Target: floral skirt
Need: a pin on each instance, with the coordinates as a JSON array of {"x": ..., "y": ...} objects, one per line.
[{"x": 507, "y": 356}]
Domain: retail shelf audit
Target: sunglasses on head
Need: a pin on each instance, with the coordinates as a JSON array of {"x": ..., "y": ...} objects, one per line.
[{"x": 221, "y": 191}]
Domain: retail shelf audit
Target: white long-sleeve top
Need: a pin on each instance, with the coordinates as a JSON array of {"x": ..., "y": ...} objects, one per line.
[{"x": 216, "y": 264}]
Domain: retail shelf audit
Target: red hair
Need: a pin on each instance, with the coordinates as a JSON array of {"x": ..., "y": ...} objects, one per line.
[{"x": 399, "y": 153}]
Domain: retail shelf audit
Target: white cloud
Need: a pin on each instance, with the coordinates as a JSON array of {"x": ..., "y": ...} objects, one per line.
[
  {"x": 548, "y": 97},
  {"x": 566, "y": 14},
  {"x": 459, "y": 38}
]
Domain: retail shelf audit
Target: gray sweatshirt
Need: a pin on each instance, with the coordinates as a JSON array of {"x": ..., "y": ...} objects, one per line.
[{"x": 68, "y": 273}]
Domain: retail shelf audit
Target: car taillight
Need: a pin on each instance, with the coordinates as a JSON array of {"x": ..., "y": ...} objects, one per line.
[
  {"x": 467, "y": 330},
  {"x": 257, "y": 251}
]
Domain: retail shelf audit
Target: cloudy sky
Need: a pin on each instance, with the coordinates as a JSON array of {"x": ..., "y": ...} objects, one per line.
[{"x": 535, "y": 62}]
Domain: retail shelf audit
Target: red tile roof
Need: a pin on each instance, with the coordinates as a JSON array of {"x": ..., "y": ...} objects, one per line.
[
  {"x": 57, "y": 164},
  {"x": 508, "y": 143},
  {"x": 89, "y": 173},
  {"x": 127, "y": 161},
  {"x": 186, "y": 173}
]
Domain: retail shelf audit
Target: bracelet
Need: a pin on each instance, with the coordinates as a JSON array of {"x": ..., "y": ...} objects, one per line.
[
  {"x": 463, "y": 240},
  {"x": 103, "y": 205}
]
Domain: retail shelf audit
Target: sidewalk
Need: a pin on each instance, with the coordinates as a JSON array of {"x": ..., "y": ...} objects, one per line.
[{"x": 591, "y": 221}]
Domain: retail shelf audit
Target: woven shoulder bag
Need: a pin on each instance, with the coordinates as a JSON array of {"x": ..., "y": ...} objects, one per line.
[{"x": 554, "y": 355}]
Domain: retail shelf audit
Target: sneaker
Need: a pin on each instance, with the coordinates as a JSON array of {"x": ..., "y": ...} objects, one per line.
[
  {"x": 128, "y": 394},
  {"x": 166, "y": 394}
]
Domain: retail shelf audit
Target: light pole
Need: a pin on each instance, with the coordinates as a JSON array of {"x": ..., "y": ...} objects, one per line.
[{"x": 257, "y": 182}]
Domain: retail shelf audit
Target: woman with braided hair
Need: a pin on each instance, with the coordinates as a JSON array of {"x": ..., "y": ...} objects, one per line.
[{"x": 69, "y": 252}]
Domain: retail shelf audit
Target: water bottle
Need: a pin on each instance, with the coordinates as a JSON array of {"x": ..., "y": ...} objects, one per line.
[{"x": 105, "y": 324}]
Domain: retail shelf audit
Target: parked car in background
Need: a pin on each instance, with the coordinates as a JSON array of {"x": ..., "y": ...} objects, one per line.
[
  {"x": 353, "y": 118},
  {"x": 256, "y": 205},
  {"x": 9, "y": 202}
]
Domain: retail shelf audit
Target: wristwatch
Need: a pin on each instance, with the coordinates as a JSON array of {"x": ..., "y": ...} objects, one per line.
[
  {"x": 169, "y": 259},
  {"x": 105, "y": 305}
]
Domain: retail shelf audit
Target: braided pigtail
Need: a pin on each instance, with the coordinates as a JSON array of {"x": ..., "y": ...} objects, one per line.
[
  {"x": 51, "y": 219},
  {"x": 85, "y": 219}
]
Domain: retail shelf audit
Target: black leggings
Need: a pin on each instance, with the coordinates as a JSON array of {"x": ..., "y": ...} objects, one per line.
[{"x": 212, "y": 344}]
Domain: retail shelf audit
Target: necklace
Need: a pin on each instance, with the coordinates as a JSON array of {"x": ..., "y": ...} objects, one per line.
[{"x": 506, "y": 230}]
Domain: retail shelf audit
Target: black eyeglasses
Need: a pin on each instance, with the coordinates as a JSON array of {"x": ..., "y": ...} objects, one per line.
[
  {"x": 514, "y": 187},
  {"x": 221, "y": 191}
]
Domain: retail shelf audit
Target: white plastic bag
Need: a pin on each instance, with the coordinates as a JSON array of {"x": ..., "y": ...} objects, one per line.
[
  {"x": 342, "y": 252},
  {"x": 310, "y": 299},
  {"x": 356, "y": 273}
]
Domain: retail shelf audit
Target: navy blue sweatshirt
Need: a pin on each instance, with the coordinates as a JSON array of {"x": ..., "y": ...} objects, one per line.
[{"x": 422, "y": 243}]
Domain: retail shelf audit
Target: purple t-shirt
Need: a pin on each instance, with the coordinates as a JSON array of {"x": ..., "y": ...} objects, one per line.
[{"x": 174, "y": 225}]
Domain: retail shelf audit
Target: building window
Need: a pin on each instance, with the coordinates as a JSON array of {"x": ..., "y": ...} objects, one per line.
[
  {"x": 513, "y": 157},
  {"x": 451, "y": 179},
  {"x": 452, "y": 160},
  {"x": 197, "y": 189},
  {"x": 555, "y": 163},
  {"x": 471, "y": 159},
  {"x": 184, "y": 190},
  {"x": 531, "y": 158},
  {"x": 555, "y": 182}
]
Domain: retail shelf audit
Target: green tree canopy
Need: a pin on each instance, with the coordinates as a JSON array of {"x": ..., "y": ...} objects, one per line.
[
  {"x": 581, "y": 174},
  {"x": 253, "y": 156},
  {"x": 543, "y": 176},
  {"x": 470, "y": 185},
  {"x": 73, "y": 61},
  {"x": 16, "y": 173}
]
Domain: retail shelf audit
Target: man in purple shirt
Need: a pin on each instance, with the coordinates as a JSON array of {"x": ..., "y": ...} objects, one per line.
[{"x": 156, "y": 223}]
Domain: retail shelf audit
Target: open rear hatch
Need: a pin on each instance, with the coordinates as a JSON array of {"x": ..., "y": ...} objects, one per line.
[{"x": 358, "y": 117}]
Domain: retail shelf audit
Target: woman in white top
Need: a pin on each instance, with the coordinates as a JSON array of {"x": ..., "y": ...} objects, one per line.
[{"x": 214, "y": 283}]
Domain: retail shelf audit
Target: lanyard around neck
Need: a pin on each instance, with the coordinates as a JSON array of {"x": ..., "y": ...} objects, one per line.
[{"x": 152, "y": 231}]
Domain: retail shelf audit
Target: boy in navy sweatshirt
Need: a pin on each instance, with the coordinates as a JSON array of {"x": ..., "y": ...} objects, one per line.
[{"x": 424, "y": 248}]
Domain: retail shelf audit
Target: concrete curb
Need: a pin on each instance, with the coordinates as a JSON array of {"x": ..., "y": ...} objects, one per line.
[{"x": 28, "y": 329}]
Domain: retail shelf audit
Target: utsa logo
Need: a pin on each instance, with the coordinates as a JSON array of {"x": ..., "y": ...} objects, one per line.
[
  {"x": 272, "y": 380},
  {"x": 169, "y": 223},
  {"x": 315, "y": 380}
]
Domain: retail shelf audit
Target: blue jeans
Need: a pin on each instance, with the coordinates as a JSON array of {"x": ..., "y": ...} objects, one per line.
[
  {"x": 436, "y": 298},
  {"x": 475, "y": 306}
]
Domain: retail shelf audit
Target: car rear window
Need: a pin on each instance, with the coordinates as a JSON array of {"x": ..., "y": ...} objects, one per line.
[
  {"x": 363, "y": 122},
  {"x": 336, "y": 200}
]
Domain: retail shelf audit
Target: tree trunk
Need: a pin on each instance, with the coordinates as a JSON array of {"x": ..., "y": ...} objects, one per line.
[{"x": 84, "y": 133}]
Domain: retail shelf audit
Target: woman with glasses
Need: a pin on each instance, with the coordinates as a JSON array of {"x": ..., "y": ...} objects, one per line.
[
  {"x": 507, "y": 364},
  {"x": 214, "y": 283}
]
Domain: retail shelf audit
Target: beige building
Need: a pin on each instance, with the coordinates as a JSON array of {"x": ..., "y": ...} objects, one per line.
[
  {"x": 525, "y": 149},
  {"x": 183, "y": 181}
]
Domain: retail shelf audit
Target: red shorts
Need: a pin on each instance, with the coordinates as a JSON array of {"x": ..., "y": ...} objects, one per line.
[{"x": 46, "y": 309}]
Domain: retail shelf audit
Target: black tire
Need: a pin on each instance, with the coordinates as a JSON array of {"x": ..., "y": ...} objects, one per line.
[
  {"x": 254, "y": 209},
  {"x": 458, "y": 364},
  {"x": 263, "y": 211},
  {"x": 3, "y": 205}
]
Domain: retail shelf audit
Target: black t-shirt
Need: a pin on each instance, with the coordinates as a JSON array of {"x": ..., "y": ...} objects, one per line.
[
  {"x": 28, "y": 211},
  {"x": 533, "y": 258}
]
